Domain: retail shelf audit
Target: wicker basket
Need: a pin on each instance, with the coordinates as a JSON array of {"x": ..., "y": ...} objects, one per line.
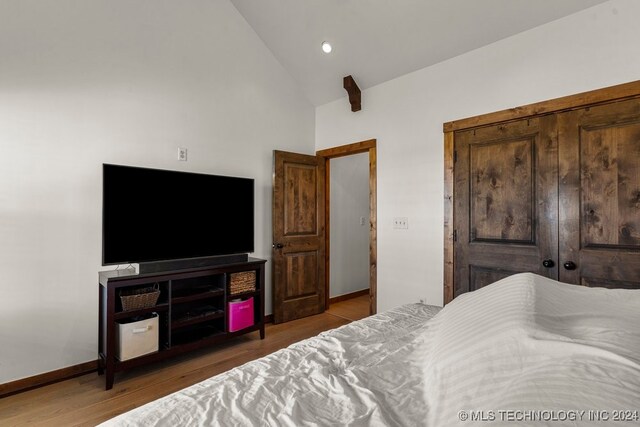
[
  {"x": 242, "y": 282},
  {"x": 134, "y": 299}
]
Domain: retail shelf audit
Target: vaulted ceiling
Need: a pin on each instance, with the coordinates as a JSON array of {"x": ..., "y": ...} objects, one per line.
[{"x": 378, "y": 40}]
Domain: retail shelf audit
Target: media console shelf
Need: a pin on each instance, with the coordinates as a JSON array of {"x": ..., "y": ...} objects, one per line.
[{"x": 192, "y": 311}]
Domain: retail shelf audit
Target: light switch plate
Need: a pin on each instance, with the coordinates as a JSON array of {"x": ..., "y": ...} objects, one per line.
[{"x": 401, "y": 223}]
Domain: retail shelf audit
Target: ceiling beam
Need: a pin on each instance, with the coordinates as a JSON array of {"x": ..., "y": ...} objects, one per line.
[{"x": 354, "y": 93}]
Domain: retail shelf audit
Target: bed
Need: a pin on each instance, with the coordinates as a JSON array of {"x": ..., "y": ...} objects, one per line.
[{"x": 525, "y": 350}]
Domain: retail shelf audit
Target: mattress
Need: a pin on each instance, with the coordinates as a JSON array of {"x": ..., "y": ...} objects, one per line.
[{"x": 525, "y": 351}]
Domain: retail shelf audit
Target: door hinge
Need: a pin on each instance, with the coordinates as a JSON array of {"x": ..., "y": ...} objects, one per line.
[
  {"x": 455, "y": 156},
  {"x": 455, "y": 235}
]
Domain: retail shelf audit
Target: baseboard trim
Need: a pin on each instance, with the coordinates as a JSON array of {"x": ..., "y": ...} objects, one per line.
[
  {"x": 345, "y": 297},
  {"x": 40, "y": 380}
]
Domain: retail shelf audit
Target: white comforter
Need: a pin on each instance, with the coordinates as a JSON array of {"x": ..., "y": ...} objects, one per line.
[
  {"x": 528, "y": 347},
  {"x": 364, "y": 373},
  {"x": 523, "y": 348}
]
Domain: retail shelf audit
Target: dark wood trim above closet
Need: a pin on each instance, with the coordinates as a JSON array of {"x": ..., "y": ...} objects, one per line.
[
  {"x": 593, "y": 97},
  {"x": 611, "y": 94}
]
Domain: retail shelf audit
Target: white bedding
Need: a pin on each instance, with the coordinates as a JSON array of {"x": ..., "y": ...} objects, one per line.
[
  {"x": 530, "y": 346},
  {"x": 523, "y": 347},
  {"x": 364, "y": 373}
]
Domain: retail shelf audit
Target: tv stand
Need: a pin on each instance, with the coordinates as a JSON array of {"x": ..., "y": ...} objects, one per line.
[
  {"x": 181, "y": 264},
  {"x": 192, "y": 309}
]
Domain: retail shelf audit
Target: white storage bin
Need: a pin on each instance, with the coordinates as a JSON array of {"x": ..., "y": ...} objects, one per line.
[{"x": 137, "y": 338}]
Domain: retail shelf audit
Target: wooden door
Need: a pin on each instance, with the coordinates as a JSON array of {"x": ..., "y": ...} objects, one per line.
[
  {"x": 298, "y": 236},
  {"x": 505, "y": 207},
  {"x": 600, "y": 195}
]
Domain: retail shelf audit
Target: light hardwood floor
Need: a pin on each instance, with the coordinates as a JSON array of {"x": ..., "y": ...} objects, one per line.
[
  {"x": 352, "y": 309},
  {"x": 82, "y": 401}
]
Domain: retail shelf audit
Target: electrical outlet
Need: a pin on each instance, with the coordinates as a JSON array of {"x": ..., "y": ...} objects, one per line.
[
  {"x": 401, "y": 223},
  {"x": 182, "y": 154},
  {"x": 362, "y": 220}
]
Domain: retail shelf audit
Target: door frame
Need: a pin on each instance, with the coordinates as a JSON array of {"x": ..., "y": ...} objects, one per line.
[
  {"x": 599, "y": 96},
  {"x": 368, "y": 146}
]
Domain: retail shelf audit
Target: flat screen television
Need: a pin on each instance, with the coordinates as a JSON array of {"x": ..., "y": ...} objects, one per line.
[{"x": 151, "y": 215}]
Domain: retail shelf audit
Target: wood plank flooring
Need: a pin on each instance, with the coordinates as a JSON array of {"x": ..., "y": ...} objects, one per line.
[
  {"x": 82, "y": 401},
  {"x": 352, "y": 309}
]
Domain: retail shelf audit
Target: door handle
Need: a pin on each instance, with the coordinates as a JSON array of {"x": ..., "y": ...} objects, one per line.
[
  {"x": 570, "y": 265},
  {"x": 277, "y": 246},
  {"x": 548, "y": 263}
]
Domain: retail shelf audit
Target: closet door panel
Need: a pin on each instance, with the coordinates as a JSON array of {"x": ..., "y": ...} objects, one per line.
[
  {"x": 502, "y": 191},
  {"x": 505, "y": 206},
  {"x": 600, "y": 195}
]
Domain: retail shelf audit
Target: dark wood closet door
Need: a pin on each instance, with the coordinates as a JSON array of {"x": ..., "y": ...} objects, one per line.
[
  {"x": 506, "y": 202},
  {"x": 600, "y": 195}
]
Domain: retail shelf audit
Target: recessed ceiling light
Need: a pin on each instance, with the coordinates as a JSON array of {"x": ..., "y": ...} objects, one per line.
[{"x": 326, "y": 47}]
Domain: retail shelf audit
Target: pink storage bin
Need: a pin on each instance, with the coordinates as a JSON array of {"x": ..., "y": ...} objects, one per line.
[{"x": 240, "y": 314}]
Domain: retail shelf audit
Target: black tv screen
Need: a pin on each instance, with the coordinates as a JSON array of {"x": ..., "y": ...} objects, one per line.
[{"x": 155, "y": 215}]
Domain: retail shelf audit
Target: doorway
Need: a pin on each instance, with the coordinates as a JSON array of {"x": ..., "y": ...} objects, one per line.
[
  {"x": 350, "y": 223},
  {"x": 349, "y": 232},
  {"x": 301, "y": 230}
]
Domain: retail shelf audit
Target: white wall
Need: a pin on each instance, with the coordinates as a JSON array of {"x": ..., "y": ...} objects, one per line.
[
  {"x": 595, "y": 48},
  {"x": 127, "y": 82},
  {"x": 349, "y": 245}
]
